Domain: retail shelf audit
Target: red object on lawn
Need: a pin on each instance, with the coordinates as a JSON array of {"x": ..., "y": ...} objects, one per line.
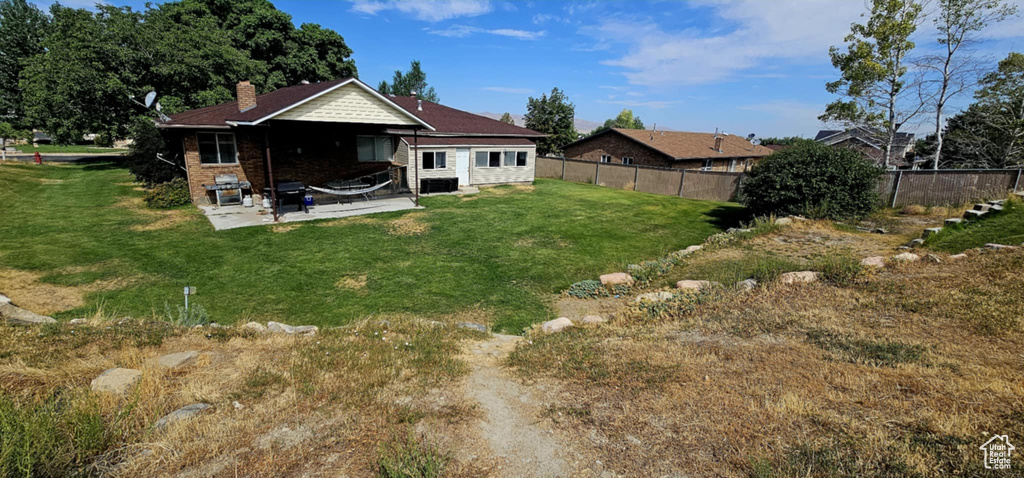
[{"x": 39, "y": 159}]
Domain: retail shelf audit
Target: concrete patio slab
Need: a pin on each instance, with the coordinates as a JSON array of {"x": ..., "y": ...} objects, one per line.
[{"x": 233, "y": 217}]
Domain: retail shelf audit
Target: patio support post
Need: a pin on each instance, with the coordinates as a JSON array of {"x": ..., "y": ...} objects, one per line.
[
  {"x": 270, "y": 174},
  {"x": 416, "y": 163}
]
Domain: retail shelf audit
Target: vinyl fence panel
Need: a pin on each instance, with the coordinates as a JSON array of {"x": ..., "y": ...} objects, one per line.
[{"x": 617, "y": 176}]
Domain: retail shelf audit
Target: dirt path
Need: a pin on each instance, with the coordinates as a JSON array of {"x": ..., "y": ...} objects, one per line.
[{"x": 511, "y": 422}]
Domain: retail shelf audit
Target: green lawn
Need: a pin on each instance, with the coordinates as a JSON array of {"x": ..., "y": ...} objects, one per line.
[
  {"x": 78, "y": 149},
  {"x": 1006, "y": 227},
  {"x": 501, "y": 256}
]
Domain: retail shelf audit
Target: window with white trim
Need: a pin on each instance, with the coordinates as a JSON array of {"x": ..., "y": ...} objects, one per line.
[
  {"x": 627, "y": 160},
  {"x": 217, "y": 148},
  {"x": 732, "y": 165},
  {"x": 606, "y": 158},
  {"x": 510, "y": 158},
  {"x": 371, "y": 149},
  {"x": 488, "y": 159},
  {"x": 708, "y": 164},
  {"x": 521, "y": 159},
  {"x": 435, "y": 160}
]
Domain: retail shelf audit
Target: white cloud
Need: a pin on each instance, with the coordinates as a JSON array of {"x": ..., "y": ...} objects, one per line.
[
  {"x": 508, "y": 89},
  {"x": 462, "y": 31},
  {"x": 430, "y": 11},
  {"x": 759, "y": 32}
]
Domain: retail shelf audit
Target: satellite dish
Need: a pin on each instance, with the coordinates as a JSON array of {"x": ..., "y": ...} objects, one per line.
[
  {"x": 750, "y": 136},
  {"x": 149, "y": 98}
]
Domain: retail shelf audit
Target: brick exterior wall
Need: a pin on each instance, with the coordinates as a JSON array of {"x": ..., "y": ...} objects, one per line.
[
  {"x": 246, "y": 95},
  {"x": 312, "y": 153},
  {"x": 617, "y": 147},
  {"x": 249, "y": 166}
]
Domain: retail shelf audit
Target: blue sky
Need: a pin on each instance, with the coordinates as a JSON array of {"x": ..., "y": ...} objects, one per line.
[{"x": 745, "y": 66}]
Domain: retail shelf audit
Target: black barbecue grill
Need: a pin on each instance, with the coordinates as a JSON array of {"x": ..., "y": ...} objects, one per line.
[
  {"x": 228, "y": 188},
  {"x": 291, "y": 191}
]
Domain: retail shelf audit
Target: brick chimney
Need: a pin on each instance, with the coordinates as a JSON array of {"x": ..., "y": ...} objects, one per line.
[
  {"x": 718, "y": 143},
  {"x": 246, "y": 96}
]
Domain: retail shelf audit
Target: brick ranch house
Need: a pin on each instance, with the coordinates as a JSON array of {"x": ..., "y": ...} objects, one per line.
[
  {"x": 668, "y": 149},
  {"x": 343, "y": 129}
]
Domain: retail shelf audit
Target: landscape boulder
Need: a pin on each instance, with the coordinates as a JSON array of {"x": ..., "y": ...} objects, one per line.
[
  {"x": 916, "y": 242},
  {"x": 798, "y": 277},
  {"x": 873, "y": 261},
  {"x": 556, "y": 325},
  {"x": 78, "y": 321},
  {"x": 879, "y": 230},
  {"x": 593, "y": 320},
  {"x": 255, "y": 327},
  {"x": 178, "y": 360},
  {"x": 183, "y": 413},
  {"x": 616, "y": 278},
  {"x": 659, "y": 296},
  {"x": 19, "y": 316},
  {"x": 737, "y": 230},
  {"x": 472, "y": 326},
  {"x": 932, "y": 258},
  {"x": 745, "y": 285},
  {"x": 953, "y": 221},
  {"x": 694, "y": 284},
  {"x": 906, "y": 257},
  {"x": 999, "y": 247},
  {"x": 280, "y": 328},
  {"x": 784, "y": 221},
  {"x": 116, "y": 380},
  {"x": 4, "y": 299},
  {"x": 959, "y": 256},
  {"x": 931, "y": 230}
]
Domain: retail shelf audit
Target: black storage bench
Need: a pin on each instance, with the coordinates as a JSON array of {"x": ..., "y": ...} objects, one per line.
[{"x": 439, "y": 185}]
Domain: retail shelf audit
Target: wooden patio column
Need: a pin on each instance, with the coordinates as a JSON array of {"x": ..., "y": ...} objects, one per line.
[
  {"x": 270, "y": 174},
  {"x": 416, "y": 163}
]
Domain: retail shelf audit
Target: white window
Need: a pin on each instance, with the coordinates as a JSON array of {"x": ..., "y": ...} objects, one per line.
[
  {"x": 732, "y": 165},
  {"x": 606, "y": 158},
  {"x": 627, "y": 160},
  {"x": 521, "y": 159},
  {"x": 708, "y": 164},
  {"x": 515, "y": 159},
  {"x": 432, "y": 160},
  {"x": 488, "y": 159},
  {"x": 510, "y": 158},
  {"x": 217, "y": 148},
  {"x": 374, "y": 148}
]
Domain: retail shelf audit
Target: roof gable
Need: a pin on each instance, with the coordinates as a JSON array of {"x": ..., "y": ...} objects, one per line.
[{"x": 349, "y": 103}]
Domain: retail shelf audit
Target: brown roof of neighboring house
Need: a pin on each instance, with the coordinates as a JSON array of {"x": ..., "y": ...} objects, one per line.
[
  {"x": 684, "y": 145},
  {"x": 450, "y": 120},
  {"x": 442, "y": 118},
  {"x": 467, "y": 141}
]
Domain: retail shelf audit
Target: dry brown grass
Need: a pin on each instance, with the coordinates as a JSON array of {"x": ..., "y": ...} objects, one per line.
[
  {"x": 411, "y": 224},
  {"x": 740, "y": 386},
  {"x": 319, "y": 404},
  {"x": 345, "y": 221},
  {"x": 156, "y": 219},
  {"x": 283, "y": 228},
  {"x": 354, "y": 283},
  {"x": 25, "y": 290}
]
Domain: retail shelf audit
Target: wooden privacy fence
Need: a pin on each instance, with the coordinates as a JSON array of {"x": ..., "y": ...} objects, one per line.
[{"x": 896, "y": 188}]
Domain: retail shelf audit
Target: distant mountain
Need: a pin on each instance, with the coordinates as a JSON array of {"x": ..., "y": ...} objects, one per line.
[{"x": 582, "y": 125}]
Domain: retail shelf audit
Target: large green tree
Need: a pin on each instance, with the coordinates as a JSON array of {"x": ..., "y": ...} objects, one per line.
[
  {"x": 192, "y": 52},
  {"x": 22, "y": 27},
  {"x": 990, "y": 133},
  {"x": 953, "y": 70},
  {"x": 405, "y": 84},
  {"x": 873, "y": 82},
  {"x": 553, "y": 115},
  {"x": 625, "y": 120}
]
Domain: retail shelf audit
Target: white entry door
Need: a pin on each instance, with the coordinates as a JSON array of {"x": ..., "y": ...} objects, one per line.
[{"x": 462, "y": 166}]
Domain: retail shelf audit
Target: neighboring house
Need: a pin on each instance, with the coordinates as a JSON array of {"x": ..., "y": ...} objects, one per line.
[
  {"x": 871, "y": 144},
  {"x": 668, "y": 149},
  {"x": 343, "y": 129}
]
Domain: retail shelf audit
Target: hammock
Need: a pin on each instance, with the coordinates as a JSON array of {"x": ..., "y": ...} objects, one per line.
[{"x": 365, "y": 192}]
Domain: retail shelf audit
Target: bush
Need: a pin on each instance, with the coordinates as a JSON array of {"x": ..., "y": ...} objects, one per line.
[
  {"x": 173, "y": 193},
  {"x": 141, "y": 159},
  {"x": 587, "y": 289},
  {"x": 191, "y": 317},
  {"x": 813, "y": 180},
  {"x": 55, "y": 436},
  {"x": 646, "y": 271},
  {"x": 411, "y": 459}
]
